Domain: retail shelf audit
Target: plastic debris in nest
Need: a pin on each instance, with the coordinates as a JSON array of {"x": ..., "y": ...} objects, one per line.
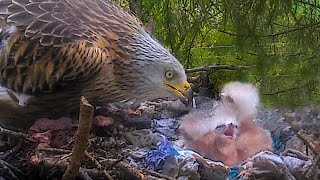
[
  {"x": 142, "y": 138},
  {"x": 307, "y": 119},
  {"x": 167, "y": 127},
  {"x": 155, "y": 158},
  {"x": 187, "y": 164},
  {"x": 265, "y": 165},
  {"x": 290, "y": 165},
  {"x": 280, "y": 137},
  {"x": 183, "y": 164}
]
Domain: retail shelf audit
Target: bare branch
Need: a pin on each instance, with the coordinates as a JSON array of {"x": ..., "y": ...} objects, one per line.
[
  {"x": 12, "y": 151},
  {"x": 315, "y": 25},
  {"x": 289, "y": 118},
  {"x": 286, "y": 90},
  {"x": 217, "y": 67},
  {"x": 81, "y": 140},
  {"x": 12, "y": 133},
  {"x": 124, "y": 167}
]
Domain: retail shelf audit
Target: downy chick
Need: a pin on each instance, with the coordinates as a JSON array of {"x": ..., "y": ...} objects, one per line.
[{"x": 229, "y": 135}]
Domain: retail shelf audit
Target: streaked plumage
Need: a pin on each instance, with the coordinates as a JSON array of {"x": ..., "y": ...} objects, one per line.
[{"x": 54, "y": 51}]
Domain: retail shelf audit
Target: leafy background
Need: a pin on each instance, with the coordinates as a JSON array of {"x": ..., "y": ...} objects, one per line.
[{"x": 279, "y": 37}]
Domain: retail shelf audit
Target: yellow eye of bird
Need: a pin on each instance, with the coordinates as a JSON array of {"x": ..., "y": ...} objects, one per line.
[{"x": 169, "y": 74}]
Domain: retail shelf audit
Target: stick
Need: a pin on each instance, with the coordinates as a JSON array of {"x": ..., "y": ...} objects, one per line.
[
  {"x": 218, "y": 67},
  {"x": 55, "y": 150},
  {"x": 289, "y": 118},
  {"x": 99, "y": 166},
  {"x": 12, "y": 133},
  {"x": 47, "y": 164},
  {"x": 3, "y": 167},
  {"x": 125, "y": 167},
  {"x": 156, "y": 174},
  {"x": 81, "y": 139},
  {"x": 12, "y": 170},
  {"x": 313, "y": 167},
  {"x": 84, "y": 175},
  {"x": 13, "y": 150}
]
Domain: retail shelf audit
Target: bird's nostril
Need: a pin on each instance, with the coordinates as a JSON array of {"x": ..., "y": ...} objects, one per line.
[{"x": 231, "y": 125}]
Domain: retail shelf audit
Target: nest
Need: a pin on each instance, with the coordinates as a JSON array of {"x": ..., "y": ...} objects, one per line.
[{"x": 147, "y": 145}]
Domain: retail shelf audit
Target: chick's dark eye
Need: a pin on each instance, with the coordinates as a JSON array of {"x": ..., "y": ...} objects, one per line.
[
  {"x": 221, "y": 127},
  {"x": 169, "y": 74}
]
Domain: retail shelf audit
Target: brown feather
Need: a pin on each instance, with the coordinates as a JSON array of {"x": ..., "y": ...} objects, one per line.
[
  {"x": 54, "y": 51},
  {"x": 65, "y": 44}
]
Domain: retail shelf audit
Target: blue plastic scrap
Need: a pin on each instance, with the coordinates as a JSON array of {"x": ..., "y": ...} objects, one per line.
[
  {"x": 280, "y": 138},
  {"x": 234, "y": 172},
  {"x": 156, "y": 158}
]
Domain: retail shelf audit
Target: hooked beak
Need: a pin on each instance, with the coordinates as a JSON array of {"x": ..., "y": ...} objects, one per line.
[{"x": 182, "y": 91}]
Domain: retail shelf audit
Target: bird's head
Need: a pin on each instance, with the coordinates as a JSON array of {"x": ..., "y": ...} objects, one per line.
[
  {"x": 225, "y": 123},
  {"x": 228, "y": 130},
  {"x": 243, "y": 98},
  {"x": 153, "y": 73}
]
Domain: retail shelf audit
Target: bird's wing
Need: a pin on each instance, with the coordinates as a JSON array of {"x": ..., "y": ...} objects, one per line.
[{"x": 47, "y": 44}]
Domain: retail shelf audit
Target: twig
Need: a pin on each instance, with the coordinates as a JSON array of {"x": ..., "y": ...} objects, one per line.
[
  {"x": 99, "y": 166},
  {"x": 13, "y": 150},
  {"x": 313, "y": 25},
  {"x": 81, "y": 139},
  {"x": 287, "y": 90},
  {"x": 55, "y": 150},
  {"x": 84, "y": 175},
  {"x": 156, "y": 174},
  {"x": 125, "y": 167},
  {"x": 93, "y": 172},
  {"x": 131, "y": 170},
  {"x": 217, "y": 67},
  {"x": 12, "y": 133},
  {"x": 96, "y": 162},
  {"x": 289, "y": 118},
  {"x": 11, "y": 169},
  {"x": 313, "y": 167},
  {"x": 62, "y": 165},
  {"x": 5, "y": 169}
]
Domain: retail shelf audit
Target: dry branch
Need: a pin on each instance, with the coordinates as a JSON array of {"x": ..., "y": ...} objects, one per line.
[
  {"x": 84, "y": 175},
  {"x": 55, "y": 150},
  {"x": 307, "y": 26},
  {"x": 11, "y": 170},
  {"x": 289, "y": 119},
  {"x": 81, "y": 139},
  {"x": 125, "y": 167},
  {"x": 156, "y": 174},
  {"x": 98, "y": 165},
  {"x": 287, "y": 90},
  {"x": 13, "y": 150},
  {"x": 62, "y": 165},
  {"x": 215, "y": 67},
  {"x": 4, "y": 169},
  {"x": 12, "y": 133}
]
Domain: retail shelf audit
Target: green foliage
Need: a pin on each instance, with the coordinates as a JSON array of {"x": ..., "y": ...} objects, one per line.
[{"x": 281, "y": 38}]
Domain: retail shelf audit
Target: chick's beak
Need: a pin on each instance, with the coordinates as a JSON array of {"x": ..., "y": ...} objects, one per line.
[
  {"x": 230, "y": 131},
  {"x": 182, "y": 91}
]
